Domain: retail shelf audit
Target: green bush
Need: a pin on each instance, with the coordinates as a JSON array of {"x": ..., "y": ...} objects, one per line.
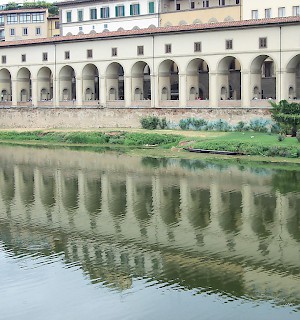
[
  {"x": 241, "y": 126},
  {"x": 150, "y": 122},
  {"x": 281, "y": 137},
  {"x": 259, "y": 125},
  {"x": 138, "y": 139},
  {"x": 163, "y": 123}
]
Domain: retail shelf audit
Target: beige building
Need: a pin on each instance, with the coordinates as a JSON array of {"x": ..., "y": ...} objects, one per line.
[
  {"x": 24, "y": 24},
  {"x": 53, "y": 26},
  {"x": 257, "y": 9},
  {"x": 199, "y": 67},
  {"x": 196, "y": 12}
]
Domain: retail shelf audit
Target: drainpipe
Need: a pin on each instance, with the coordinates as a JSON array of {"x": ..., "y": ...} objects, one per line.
[{"x": 280, "y": 62}]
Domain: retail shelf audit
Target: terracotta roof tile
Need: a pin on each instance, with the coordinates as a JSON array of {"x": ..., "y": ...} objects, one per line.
[{"x": 151, "y": 31}]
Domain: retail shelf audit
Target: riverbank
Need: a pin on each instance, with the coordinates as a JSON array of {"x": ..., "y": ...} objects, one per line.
[{"x": 262, "y": 147}]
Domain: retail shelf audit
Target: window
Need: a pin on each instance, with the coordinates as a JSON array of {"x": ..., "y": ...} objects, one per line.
[
  {"x": 56, "y": 24},
  {"x": 89, "y": 53},
  {"x": 3, "y": 59},
  {"x": 11, "y": 32},
  {"x": 140, "y": 50},
  {"x": 168, "y": 48},
  {"x": 151, "y": 7},
  {"x": 262, "y": 43},
  {"x": 25, "y": 32},
  {"x": 296, "y": 11},
  {"x": 237, "y": 1},
  {"x": 268, "y": 13},
  {"x": 281, "y": 12},
  {"x": 120, "y": 11},
  {"x": 104, "y": 12},
  {"x": 67, "y": 55},
  {"x": 45, "y": 56},
  {"x": 221, "y": 2},
  {"x": 177, "y": 6},
  {"x": 134, "y": 9},
  {"x": 197, "y": 47},
  {"x": 228, "y": 44},
  {"x": 12, "y": 18},
  {"x": 205, "y": 4},
  {"x": 254, "y": 14},
  {"x": 80, "y": 29},
  {"x": 38, "y": 31},
  {"x": 114, "y": 52},
  {"x": 25, "y": 18},
  {"x": 80, "y": 15},
  {"x": 39, "y": 17},
  {"x": 69, "y": 16},
  {"x": 192, "y": 5},
  {"x": 93, "y": 14},
  {"x": 23, "y": 57},
  {"x": 1, "y": 20}
]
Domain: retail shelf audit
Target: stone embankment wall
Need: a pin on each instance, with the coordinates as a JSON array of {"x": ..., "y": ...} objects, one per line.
[{"x": 46, "y": 118}]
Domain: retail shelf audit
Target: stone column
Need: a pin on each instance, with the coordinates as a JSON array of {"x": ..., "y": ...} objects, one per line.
[
  {"x": 246, "y": 88},
  {"x": 14, "y": 92},
  {"x": 182, "y": 90},
  {"x": 79, "y": 92},
  {"x": 103, "y": 94},
  {"x": 214, "y": 94},
  {"x": 34, "y": 92},
  {"x": 56, "y": 89},
  {"x": 154, "y": 91},
  {"x": 127, "y": 90}
]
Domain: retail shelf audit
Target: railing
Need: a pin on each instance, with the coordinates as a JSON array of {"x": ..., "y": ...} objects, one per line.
[
  {"x": 5, "y": 104},
  {"x": 260, "y": 103},
  {"x": 24, "y": 104},
  {"x": 169, "y": 103},
  {"x": 91, "y": 103},
  {"x": 230, "y": 104},
  {"x": 71, "y": 103},
  {"x": 198, "y": 103},
  {"x": 141, "y": 104},
  {"x": 116, "y": 104},
  {"x": 45, "y": 103}
]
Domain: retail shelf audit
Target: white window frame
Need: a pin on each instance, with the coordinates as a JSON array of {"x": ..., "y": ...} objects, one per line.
[{"x": 254, "y": 14}]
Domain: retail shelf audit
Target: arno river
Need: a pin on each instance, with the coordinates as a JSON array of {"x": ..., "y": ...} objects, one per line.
[{"x": 90, "y": 235}]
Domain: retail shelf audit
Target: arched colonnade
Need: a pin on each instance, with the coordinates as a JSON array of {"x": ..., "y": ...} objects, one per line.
[{"x": 199, "y": 81}]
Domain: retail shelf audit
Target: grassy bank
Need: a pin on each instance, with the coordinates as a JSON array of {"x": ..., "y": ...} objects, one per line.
[{"x": 249, "y": 143}]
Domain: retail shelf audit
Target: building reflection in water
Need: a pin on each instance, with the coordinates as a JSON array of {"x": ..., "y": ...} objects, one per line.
[{"x": 192, "y": 225}]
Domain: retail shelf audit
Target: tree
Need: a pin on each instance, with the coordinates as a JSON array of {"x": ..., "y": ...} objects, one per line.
[{"x": 286, "y": 115}]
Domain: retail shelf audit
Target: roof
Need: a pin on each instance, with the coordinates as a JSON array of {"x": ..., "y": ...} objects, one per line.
[
  {"x": 157, "y": 31},
  {"x": 3, "y": 12}
]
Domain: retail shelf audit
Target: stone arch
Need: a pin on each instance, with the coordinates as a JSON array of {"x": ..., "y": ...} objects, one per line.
[
  {"x": 135, "y": 28},
  {"x": 228, "y": 18},
  {"x": 93, "y": 31},
  {"x": 80, "y": 33},
  {"x": 5, "y": 85},
  {"x": 120, "y": 29},
  {"x": 105, "y": 30},
  {"x": 197, "y": 21},
  {"x": 182, "y": 22},
  {"x": 90, "y": 80},
  {"x": 140, "y": 75},
  {"x": 24, "y": 85},
  {"x": 45, "y": 84},
  {"x": 67, "y": 84},
  {"x": 168, "y": 77},
  {"x": 293, "y": 77},
  {"x": 229, "y": 73},
  {"x": 152, "y": 26},
  {"x": 69, "y": 34},
  {"x": 115, "y": 80},
  {"x": 263, "y": 76},
  {"x": 212, "y": 20},
  {"x": 198, "y": 77}
]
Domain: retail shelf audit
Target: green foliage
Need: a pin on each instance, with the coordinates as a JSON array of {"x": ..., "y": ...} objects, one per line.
[
  {"x": 259, "y": 125},
  {"x": 241, "y": 126},
  {"x": 138, "y": 139},
  {"x": 287, "y": 115},
  {"x": 163, "y": 123},
  {"x": 12, "y": 6},
  {"x": 281, "y": 137},
  {"x": 150, "y": 123},
  {"x": 298, "y": 135},
  {"x": 219, "y": 125},
  {"x": 192, "y": 124},
  {"x": 53, "y": 10}
]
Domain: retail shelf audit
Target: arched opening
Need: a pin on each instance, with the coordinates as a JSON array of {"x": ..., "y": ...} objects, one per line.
[
  {"x": 45, "y": 84},
  {"x": 293, "y": 77},
  {"x": 5, "y": 85},
  {"x": 67, "y": 84},
  {"x": 141, "y": 83},
  {"x": 229, "y": 73},
  {"x": 169, "y": 79},
  {"x": 24, "y": 85},
  {"x": 115, "y": 81},
  {"x": 198, "y": 78},
  {"x": 90, "y": 82},
  {"x": 263, "y": 77}
]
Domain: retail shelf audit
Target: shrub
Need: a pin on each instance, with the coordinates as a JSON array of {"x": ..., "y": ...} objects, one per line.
[
  {"x": 259, "y": 125},
  {"x": 184, "y": 124},
  {"x": 150, "y": 122},
  {"x": 149, "y": 139},
  {"x": 219, "y": 125},
  {"x": 163, "y": 123},
  {"x": 241, "y": 126},
  {"x": 281, "y": 137}
]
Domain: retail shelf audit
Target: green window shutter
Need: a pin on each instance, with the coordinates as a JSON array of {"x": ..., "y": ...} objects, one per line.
[
  {"x": 116, "y": 11},
  {"x": 138, "y": 8},
  {"x": 151, "y": 7},
  {"x": 101, "y": 13},
  {"x": 131, "y": 10},
  {"x": 123, "y": 11},
  {"x": 108, "y": 13}
]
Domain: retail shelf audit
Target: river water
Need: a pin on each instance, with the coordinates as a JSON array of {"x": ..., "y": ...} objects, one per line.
[{"x": 90, "y": 235}]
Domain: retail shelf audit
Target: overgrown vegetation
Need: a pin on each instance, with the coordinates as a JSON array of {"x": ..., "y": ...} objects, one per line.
[
  {"x": 52, "y": 9},
  {"x": 287, "y": 116},
  {"x": 153, "y": 122}
]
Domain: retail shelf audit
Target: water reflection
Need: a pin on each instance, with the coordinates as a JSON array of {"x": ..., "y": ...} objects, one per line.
[{"x": 186, "y": 225}]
